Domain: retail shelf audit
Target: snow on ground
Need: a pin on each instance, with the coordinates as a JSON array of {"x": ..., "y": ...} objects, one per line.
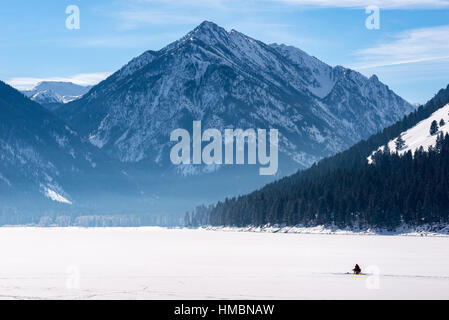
[
  {"x": 157, "y": 263},
  {"x": 419, "y": 135},
  {"x": 428, "y": 230}
]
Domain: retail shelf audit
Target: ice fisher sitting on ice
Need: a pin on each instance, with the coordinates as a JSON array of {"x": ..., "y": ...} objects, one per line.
[{"x": 357, "y": 269}]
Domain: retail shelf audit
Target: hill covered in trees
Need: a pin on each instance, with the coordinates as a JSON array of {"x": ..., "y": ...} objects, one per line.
[{"x": 345, "y": 190}]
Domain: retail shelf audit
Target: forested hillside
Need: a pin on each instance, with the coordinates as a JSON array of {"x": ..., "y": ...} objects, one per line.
[{"x": 345, "y": 190}]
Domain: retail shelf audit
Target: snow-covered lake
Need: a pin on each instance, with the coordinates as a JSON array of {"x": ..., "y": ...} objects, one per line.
[{"x": 156, "y": 263}]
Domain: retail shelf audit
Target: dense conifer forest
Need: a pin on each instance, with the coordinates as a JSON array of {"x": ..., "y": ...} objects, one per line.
[{"x": 344, "y": 190}]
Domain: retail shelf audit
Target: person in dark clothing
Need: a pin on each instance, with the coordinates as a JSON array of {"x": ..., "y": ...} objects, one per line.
[{"x": 357, "y": 269}]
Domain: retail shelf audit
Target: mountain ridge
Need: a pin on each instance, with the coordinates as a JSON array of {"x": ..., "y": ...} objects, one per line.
[
  {"x": 347, "y": 191},
  {"x": 52, "y": 94},
  {"x": 44, "y": 161},
  {"x": 227, "y": 79}
]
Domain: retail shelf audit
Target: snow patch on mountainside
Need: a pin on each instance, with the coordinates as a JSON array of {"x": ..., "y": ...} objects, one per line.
[
  {"x": 419, "y": 135},
  {"x": 321, "y": 77},
  {"x": 56, "y": 196}
]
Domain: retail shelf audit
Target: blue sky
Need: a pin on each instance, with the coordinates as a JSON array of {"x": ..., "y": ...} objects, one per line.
[{"x": 410, "y": 51}]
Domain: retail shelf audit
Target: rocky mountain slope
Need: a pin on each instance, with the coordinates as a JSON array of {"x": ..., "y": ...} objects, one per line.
[
  {"x": 44, "y": 162},
  {"x": 109, "y": 150},
  {"x": 229, "y": 80}
]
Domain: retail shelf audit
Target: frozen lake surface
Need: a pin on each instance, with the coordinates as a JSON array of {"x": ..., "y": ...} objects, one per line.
[{"x": 156, "y": 263}]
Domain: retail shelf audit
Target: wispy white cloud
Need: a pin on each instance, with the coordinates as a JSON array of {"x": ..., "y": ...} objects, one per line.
[
  {"x": 127, "y": 41},
  {"x": 209, "y": 4},
  {"x": 412, "y": 46},
  {"x": 133, "y": 14},
  {"x": 230, "y": 4},
  {"x": 24, "y": 83},
  {"x": 384, "y": 4},
  {"x": 137, "y": 13},
  {"x": 132, "y": 19}
]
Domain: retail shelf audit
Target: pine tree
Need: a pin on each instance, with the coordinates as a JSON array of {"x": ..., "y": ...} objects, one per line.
[
  {"x": 442, "y": 123},
  {"x": 400, "y": 143},
  {"x": 392, "y": 190},
  {"x": 433, "y": 127}
]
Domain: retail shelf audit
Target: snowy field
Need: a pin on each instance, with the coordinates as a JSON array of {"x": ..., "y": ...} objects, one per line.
[{"x": 156, "y": 263}]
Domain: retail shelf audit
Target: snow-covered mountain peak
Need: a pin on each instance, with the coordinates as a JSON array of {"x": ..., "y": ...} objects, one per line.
[
  {"x": 209, "y": 42},
  {"x": 208, "y": 28},
  {"x": 56, "y": 92},
  {"x": 207, "y": 33},
  {"x": 63, "y": 88},
  {"x": 228, "y": 79}
]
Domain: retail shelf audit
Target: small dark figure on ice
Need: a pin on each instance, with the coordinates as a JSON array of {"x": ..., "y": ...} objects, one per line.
[{"x": 357, "y": 269}]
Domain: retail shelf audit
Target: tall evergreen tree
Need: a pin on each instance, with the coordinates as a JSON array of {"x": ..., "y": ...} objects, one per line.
[
  {"x": 400, "y": 143},
  {"x": 433, "y": 127}
]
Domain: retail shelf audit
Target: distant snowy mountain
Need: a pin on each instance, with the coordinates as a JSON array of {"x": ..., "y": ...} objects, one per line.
[
  {"x": 419, "y": 135},
  {"x": 119, "y": 131},
  {"x": 229, "y": 80},
  {"x": 43, "y": 161},
  {"x": 56, "y": 92}
]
